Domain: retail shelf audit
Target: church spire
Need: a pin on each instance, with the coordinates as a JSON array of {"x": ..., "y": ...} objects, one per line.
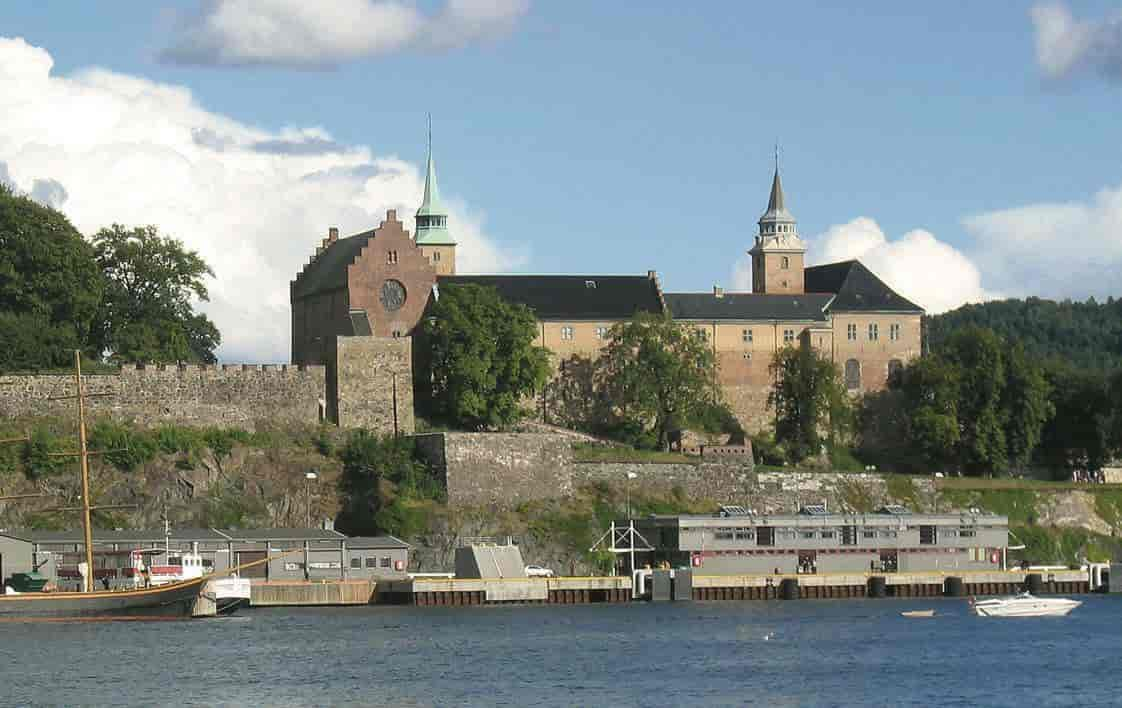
[
  {"x": 432, "y": 219},
  {"x": 775, "y": 203}
]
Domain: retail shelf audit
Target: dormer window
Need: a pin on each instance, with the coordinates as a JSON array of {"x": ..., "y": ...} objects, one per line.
[{"x": 590, "y": 284}]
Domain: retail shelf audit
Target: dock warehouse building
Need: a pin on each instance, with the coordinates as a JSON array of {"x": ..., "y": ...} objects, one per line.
[
  {"x": 737, "y": 541},
  {"x": 321, "y": 554}
]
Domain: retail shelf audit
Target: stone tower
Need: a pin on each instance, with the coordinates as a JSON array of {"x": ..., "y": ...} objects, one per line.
[
  {"x": 778, "y": 255},
  {"x": 432, "y": 238}
]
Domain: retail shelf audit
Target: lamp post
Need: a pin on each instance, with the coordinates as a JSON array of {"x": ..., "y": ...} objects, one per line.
[
  {"x": 630, "y": 476},
  {"x": 308, "y": 477}
]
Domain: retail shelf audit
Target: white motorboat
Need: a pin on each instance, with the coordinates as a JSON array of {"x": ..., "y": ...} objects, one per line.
[{"x": 1023, "y": 605}]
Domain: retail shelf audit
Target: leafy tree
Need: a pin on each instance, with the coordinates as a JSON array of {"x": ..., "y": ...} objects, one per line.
[
  {"x": 483, "y": 361},
  {"x": 147, "y": 312},
  {"x": 1083, "y": 334},
  {"x": 50, "y": 286},
  {"x": 1077, "y": 437},
  {"x": 976, "y": 403},
  {"x": 659, "y": 374},
  {"x": 383, "y": 487},
  {"x": 808, "y": 397}
]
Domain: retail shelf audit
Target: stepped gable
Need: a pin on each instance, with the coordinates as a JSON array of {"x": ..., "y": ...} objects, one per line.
[
  {"x": 748, "y": 306},
  {"x": 856, "y": 289},
  {"x": 328, "y": 271},
  {"x": 572, "y": 297}
]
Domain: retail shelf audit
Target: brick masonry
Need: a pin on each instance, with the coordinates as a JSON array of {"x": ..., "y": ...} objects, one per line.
[{"x": 506, "y": 469}]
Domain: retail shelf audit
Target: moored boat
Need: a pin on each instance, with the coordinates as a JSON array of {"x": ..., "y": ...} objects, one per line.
[
  {"x": 171, "y": 600},
  {"x": 918, "y": 613},
  {"x": 1023, "y": 605}
]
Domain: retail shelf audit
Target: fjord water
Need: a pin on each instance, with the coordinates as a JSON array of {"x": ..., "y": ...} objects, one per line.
[{"x": 842, "y": 652}]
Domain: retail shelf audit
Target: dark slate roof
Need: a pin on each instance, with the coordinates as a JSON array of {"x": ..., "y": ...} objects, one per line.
[
  {"x": 117, "y": 536},
  {"x": 857, "y": 289},
  {"x": 571, "y": 297},
  {"x": 329, "y": 270},
  {"x": 177, "y": 534},
  {"x": 748, "y": 306},
  {"x": 281, "y": 534},
  {"x": 361, "y": 542}
]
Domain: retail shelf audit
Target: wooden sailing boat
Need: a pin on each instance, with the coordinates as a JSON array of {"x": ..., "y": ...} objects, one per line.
[{"x": 172, "y": 600}]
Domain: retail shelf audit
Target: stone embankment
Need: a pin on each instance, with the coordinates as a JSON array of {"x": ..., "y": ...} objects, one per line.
[{"x": 507, "y": 469}]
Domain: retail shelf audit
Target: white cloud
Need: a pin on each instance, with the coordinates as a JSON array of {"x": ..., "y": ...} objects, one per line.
[
  {"x": 1053, "y": 250},
  {"x": 927, "y": 271},
  {"x": 1066, "y": 46},
  {"x": 302, "y": 33},
  {"x": 254, "y": 203}
]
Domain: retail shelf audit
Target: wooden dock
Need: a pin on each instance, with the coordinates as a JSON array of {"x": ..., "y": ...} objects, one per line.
[{"x": 429, "y": 592}]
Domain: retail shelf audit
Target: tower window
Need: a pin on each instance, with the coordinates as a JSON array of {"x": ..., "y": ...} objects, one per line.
[
  {"x": 566, "y": 332},
  {"x": 851, "y": 332},
  {"x": 894, "y": 332},
  {"x": 746, "y": 335},
  {"x": 874, "y": 332},
  {"x": 784, "y": 262},
  {"x": 391, "y": 257}
]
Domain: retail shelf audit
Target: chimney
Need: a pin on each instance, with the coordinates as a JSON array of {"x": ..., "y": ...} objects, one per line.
[
  {"x": 651, "y": 275},
  {"x": 718, "y": 291},
  {"x": 333, "y": 234}
]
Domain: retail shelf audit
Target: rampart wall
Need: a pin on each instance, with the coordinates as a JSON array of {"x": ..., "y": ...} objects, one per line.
[
  {"x": 506, "y": 469},
  {"x": 228, "y": 395}
]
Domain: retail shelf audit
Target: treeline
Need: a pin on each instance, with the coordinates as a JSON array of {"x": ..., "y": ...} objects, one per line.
[
  {"x": 122, "y": 295},
  {"x": 1086, "y": 335}
]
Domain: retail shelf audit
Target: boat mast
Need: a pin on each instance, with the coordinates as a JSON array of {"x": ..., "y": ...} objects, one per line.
[{"x": 84, "y": 460}]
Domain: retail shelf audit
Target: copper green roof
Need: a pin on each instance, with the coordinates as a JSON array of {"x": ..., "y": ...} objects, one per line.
[{"x": 432, "y": 219}]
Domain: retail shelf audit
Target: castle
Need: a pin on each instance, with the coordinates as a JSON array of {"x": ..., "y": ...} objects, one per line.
[
  {"x": 360, "y": 298},
  {"x": 376, "y": 285}
]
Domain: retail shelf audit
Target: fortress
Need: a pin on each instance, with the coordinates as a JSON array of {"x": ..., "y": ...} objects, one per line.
[{"x": 357, "y": 303}]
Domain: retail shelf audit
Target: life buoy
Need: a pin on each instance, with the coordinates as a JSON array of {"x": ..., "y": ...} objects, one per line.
[{"x": 995, "y": 557}]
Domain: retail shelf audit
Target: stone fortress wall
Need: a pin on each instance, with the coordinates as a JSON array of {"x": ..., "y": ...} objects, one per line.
[
  {"x": 506, "y": 469},
  {"x": 247, "y": 396}
]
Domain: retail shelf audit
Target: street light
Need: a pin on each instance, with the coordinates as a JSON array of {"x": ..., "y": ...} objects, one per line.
[
  {"x": 308, "y": 477},
  {"x": 630, "y": 476}
]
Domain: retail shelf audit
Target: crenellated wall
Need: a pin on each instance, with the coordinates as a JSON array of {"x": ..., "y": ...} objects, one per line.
[{"x": 228, "y": 395}]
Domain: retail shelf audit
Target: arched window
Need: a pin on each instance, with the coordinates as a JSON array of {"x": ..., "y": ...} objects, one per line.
[
  {"x": 853, "y": 374},
  {"x": 784, "y": 262},
  {"x": 895, "y": 368}
]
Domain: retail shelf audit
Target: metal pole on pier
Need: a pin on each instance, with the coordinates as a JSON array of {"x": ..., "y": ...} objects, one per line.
[{"x": 84, "y": 461}]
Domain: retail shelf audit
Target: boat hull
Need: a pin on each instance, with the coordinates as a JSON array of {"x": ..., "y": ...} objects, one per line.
[
  {"x": 174, "y": 600},
  {"x": 1026, "y": 607}
]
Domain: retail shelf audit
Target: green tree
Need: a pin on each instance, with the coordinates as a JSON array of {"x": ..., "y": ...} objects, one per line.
[
  {"x": 147, "y": 313},
  {"x": 660, "y": 374},
  {"x": 50, "y": 286},
  {"x": 383, "y": 487},
  {"x": 977, "y": 403},
  {"x": 809, "y": 399},
  {"x": 1077, "y": 437},
  {"x": 482, "y": 357}
]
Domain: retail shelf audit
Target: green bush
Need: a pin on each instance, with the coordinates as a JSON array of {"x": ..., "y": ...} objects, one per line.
[{"x": 765, "y": 451}]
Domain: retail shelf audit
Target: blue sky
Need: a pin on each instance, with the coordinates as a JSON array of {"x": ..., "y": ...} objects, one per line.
[{"x": 597, "y": 137}]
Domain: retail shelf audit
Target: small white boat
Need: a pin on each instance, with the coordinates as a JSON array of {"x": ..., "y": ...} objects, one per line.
[
  {"x": 1023, "y": 605},
  {"x": 918, "y": 613}
]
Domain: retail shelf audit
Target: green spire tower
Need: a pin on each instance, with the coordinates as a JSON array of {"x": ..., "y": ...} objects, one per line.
[{"x": 436, "y": 244}]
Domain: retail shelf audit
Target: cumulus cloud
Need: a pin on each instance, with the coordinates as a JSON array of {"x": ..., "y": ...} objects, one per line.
[
  {"x": 927, "y": 271},
  {"x": 1066, "y": 46},
  {"x": 250, "y": 201},
  {"x": 48, "y": 192},
  {"x": 1053, "y": 250},
  {"x": 309, "y": 34}
]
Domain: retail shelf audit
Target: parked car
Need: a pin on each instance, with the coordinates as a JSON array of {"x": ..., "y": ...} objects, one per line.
[{"x": 537, "y": 571}]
